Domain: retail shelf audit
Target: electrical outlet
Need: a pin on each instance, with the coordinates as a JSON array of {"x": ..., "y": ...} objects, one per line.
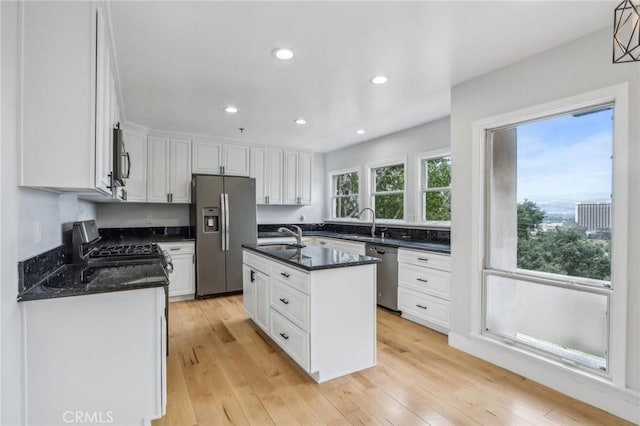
[
  {"x": 149, "y": 219},
  {"x": 37, "y": 233}
]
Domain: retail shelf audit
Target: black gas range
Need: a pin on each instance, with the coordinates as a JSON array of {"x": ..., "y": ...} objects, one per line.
[{"x": 129, "y": 253}]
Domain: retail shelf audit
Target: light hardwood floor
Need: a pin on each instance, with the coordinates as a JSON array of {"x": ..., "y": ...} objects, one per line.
[{"x": 223, "y": 370}]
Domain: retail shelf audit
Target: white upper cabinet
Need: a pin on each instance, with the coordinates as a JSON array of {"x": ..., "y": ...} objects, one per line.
[
  {"x": 305, "y": 177},
  {"x": 169, "y": 170},
  {"x": 207, "y": 157},
  {"x": 67, "y": 99},
  {"x": 235, "y": 160},
  {"x": 266, "y": 168},
  {"x": 298, "y": 171},
  {"x": 136, "y": 145},
  {"x": 180, "y": 171},
  {"x": 214, "y": 158}
]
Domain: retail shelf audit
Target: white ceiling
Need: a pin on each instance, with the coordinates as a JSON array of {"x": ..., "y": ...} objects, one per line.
[{"x": 181, "y": 63}]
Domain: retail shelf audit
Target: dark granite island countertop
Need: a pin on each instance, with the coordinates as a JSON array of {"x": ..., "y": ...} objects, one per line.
[
  {"x": 311, "y": 258},
  {"x": 82, "y": 279}
]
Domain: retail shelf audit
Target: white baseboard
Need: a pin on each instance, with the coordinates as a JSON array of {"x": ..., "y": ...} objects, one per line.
[
  {"x": 181, "y": 297},
  {"x": 592, "y": 390}
]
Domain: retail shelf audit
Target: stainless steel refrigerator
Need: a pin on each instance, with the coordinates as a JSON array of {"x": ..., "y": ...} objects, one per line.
[{"x": 224, "y": 212}]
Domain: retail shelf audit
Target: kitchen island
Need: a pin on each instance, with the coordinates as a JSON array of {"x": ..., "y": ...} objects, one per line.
[{"x": 317, "y": 304}]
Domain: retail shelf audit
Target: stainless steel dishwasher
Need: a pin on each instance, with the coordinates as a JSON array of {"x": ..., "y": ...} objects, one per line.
[{"x": 387, "y": 275}]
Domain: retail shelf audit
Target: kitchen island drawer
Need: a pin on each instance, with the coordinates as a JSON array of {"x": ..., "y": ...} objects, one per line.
[
  {"x": 258, "y": 263},
  {"x": 293, "y": 340},
  {"x": 422, "y": 258},
  {"x": 424, "y": 307},
  {"x": 294, "y": 277},
  {"x": 291, "y": 303},
  {"x": 426, "y": 280}
]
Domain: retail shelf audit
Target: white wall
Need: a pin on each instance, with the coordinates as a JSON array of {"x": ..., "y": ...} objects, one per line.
[
  {"x": 404, "y": 144},
  {"x": 133, "y": 215},
  {"x": 22, "y": 211},
  {"x": 578, "y": 67}
]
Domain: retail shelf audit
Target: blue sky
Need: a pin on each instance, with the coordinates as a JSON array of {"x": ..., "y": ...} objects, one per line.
[{"x": 565, "y": 160}]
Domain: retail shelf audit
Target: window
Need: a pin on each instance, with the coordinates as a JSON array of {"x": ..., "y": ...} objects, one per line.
[
  {"x": 435, "y": 189},
  {"x": 387, "y": 192},
  {"x": 547, "y": 276},
  {"x": 344, "y": 194}
]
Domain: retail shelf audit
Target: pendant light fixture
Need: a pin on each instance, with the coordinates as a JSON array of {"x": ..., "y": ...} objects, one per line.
[{"x": 626, "y": 33}]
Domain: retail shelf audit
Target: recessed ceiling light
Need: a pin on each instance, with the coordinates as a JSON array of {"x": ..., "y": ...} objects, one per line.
[
  {"x": 231, "y": 109},
  {"x": 300, "y": 121},
  {"x": 360, "y": 131},
  {"x": 379, "y": 79},
  {"x": 283, "y": 53}
]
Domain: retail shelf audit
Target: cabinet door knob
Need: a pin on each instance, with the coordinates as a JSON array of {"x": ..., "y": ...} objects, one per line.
[
  {"x": 285, "y": 336},
  {"x": 285, "y": 301}
]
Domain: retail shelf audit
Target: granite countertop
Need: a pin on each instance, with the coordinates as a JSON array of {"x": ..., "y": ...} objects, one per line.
[
  {"x": 83, "y": 279},
  {"x": 311, "y": 258},
  {"x": 389, "y": 242}
]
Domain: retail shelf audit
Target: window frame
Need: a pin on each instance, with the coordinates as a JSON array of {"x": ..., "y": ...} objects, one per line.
[
  {"x": 333, "y": 196},
  {"x": 421, "y": 180},
  {"x": 618, "y": 95},
  {"x": 372, "y": 193}
]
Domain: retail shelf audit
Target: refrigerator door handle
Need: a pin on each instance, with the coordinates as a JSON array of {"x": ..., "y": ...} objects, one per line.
[
  {"x": 223, "y": 225},
  {"x": 226, "y": 221}
]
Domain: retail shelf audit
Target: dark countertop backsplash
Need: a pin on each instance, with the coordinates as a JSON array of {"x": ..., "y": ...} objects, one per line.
[
  {"x": 410, "y": 234},
  {"x": 156, "y": 234}
]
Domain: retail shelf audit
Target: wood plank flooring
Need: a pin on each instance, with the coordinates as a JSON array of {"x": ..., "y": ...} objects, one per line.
[{"x": 223, "y": 370}]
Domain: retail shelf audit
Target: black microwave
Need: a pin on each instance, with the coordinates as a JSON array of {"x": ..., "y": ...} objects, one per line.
[{"x": 121, "y": 158}]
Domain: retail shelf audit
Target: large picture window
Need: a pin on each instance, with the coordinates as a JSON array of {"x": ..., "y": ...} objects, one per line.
[
  {"x": 344, "y": 193},
  {"x": 547, "y": 277},
  {"x": 435, "y": 189},
  {"x": 387, "y": 191}
]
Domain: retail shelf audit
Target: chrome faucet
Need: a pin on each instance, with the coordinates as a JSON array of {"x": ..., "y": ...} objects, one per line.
[
  {"x": 297, "y": 233},
  {"x": 373, "y": 222}
]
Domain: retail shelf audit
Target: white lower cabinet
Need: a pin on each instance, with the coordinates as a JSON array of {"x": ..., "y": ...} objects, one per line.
[
  {"x": 292, "y": 339},
  {"x": 325, "y": 320},
  {"x": 423, "y": 288},
  {"x": 249, "y": 290},
  {"x": 100, "y": 355},
  {"x": 182, "y": 279},
  {"x": 255, "y": 279}
]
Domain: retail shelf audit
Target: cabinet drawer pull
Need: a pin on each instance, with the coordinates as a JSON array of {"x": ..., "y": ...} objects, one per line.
[
  {"x": 424, "y": 259},
  {"x": 284, "y": 274},
  {"x": 174, "y": 249},
  {"x": 323, "y": 242},
  {"x": 285, "y": 301},
  {"x": 285, "y": 336},
  {"x": 422, "y": 307},
  {"x": 422, "y": 280}
]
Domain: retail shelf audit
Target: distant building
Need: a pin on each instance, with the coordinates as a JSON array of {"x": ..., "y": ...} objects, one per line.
[{"x": 593, "y": 216}]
